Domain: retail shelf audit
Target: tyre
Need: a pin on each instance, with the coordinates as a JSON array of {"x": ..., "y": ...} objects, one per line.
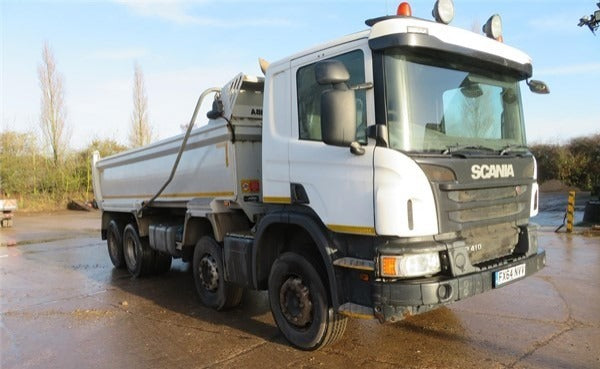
[
  {"x": 300, "y": 304},
  {"x": 138, "y": 256},
  {"x": 209, "y": 273},
  {"x": 162, "y": 262},
  {"x": 114, "y": 242}
]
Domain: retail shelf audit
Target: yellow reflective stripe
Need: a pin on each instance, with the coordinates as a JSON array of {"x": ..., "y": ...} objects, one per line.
[
  {"x": 277, "y": 200},
  {"x": 176, "y": 195},
  {"x": 370, "y": 231}
]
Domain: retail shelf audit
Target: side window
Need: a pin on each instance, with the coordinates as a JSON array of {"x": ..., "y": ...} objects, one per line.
[{"x": 309, "y": 97}]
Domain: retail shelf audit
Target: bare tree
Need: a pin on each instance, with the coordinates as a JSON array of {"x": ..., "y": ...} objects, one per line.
[
  {"x": 140, "y": 133},
  {"x": 52, "y": 113}
]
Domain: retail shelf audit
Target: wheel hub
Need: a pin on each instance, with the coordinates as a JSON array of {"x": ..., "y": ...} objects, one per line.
[
  {"x": 209, "y": 273},
  {"x": 295, "y": 302}
]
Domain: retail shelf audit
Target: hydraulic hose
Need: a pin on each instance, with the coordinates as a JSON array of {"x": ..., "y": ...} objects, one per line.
[{"x": 145, "y": 204}]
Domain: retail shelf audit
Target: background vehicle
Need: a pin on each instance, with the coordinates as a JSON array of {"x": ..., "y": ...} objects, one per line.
[{"x": 7, "y": 208}]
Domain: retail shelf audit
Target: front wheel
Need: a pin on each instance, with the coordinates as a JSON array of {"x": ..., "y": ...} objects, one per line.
[{"x": 299, "y": 304}]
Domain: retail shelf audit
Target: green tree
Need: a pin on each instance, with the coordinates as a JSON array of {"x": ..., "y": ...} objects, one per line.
[
  {"x": 20, "y": 163},
  {"x": 548, "y": 161},
  {"x": 585, "y": 152}
]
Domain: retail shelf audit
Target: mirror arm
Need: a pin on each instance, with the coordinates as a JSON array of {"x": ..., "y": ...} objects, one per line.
[{"x": 379, "y": 133}]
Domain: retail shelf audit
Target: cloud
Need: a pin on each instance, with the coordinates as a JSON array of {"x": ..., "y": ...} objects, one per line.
[
  {"x": 180, "y": 12},
  {"x": 119, "y": 54},
  {"x": 570, "y": 69}
]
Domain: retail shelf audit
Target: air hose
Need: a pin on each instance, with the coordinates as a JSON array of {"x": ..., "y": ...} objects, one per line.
[{"x": 145, "y": 204}]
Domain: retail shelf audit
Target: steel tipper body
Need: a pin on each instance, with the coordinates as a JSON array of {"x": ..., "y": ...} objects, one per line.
[
  {"x": 380, "y": 175},
  {"x": 218, "y": 158}
]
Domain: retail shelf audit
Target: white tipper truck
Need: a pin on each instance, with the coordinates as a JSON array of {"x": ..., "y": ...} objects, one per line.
[{"x": 379, "y": 175}]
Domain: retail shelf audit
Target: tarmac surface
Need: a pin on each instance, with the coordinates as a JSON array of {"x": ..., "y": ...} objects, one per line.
[{"x": 62, "y": 305}]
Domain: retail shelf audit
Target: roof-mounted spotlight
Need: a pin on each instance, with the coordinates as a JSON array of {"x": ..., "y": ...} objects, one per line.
[
  {"x": 493, "y": 27},
  {"x": 443, "y": 11}
]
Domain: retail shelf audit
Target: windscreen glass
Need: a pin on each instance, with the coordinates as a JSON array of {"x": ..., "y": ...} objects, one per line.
[{"x": 435, "y": 106}]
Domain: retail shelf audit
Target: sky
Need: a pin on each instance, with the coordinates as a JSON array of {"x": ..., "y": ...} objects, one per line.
[{"x": 184, "y": 47}]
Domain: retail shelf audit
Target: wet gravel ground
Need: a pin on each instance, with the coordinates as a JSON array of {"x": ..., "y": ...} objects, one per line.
[{"x": 62, "y": 305}]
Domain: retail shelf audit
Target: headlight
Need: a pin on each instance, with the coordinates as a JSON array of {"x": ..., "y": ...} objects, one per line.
[{"x": 409, "y": 265}]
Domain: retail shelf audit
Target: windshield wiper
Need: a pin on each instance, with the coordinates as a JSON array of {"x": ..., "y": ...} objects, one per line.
[
  {"x": 461, "y": 148},
  {"x": 511, "y": 148}
]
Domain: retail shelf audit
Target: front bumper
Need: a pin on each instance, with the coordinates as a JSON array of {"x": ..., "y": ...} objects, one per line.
[{"x": 393, "y": 301}]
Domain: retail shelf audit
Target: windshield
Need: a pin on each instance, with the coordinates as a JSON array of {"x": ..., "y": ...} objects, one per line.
[{"x": 435, "y": 107}]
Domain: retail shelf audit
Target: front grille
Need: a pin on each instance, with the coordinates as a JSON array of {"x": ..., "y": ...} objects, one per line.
[{"x": 471, "y": 207}]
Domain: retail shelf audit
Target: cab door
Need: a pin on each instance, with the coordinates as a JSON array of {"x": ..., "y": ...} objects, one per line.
[{"x": 338, "y": 184}]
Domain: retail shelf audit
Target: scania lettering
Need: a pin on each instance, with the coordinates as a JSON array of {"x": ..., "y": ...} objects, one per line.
[
  {"x": 377, "y": 176},
  {"x": 492, "y": 171}
]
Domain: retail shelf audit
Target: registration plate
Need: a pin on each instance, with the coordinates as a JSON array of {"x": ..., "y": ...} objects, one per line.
[{"x": 509, "y": 274}]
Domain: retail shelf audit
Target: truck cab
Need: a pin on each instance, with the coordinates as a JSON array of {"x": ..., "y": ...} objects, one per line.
[{"x": 434, "y": 207}]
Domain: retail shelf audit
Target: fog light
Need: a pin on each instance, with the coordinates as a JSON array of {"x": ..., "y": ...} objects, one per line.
[{"x": 410, "y": 265}]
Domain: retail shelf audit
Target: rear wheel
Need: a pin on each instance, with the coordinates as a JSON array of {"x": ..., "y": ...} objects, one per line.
[
  {"x": 114, "y": 241},
  {"x": 209, "y": 274},
  {"x": 299, "y": 303},
  {"x": 138, "y": 256}
]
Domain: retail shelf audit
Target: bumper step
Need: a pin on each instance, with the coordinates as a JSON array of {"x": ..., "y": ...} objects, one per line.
[{"x": 352, "y": 310}]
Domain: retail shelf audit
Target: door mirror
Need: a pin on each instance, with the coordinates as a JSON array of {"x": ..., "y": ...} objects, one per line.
[
  {"x": 538, "y": 87},
  {"x": 338, "y": 104}
]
